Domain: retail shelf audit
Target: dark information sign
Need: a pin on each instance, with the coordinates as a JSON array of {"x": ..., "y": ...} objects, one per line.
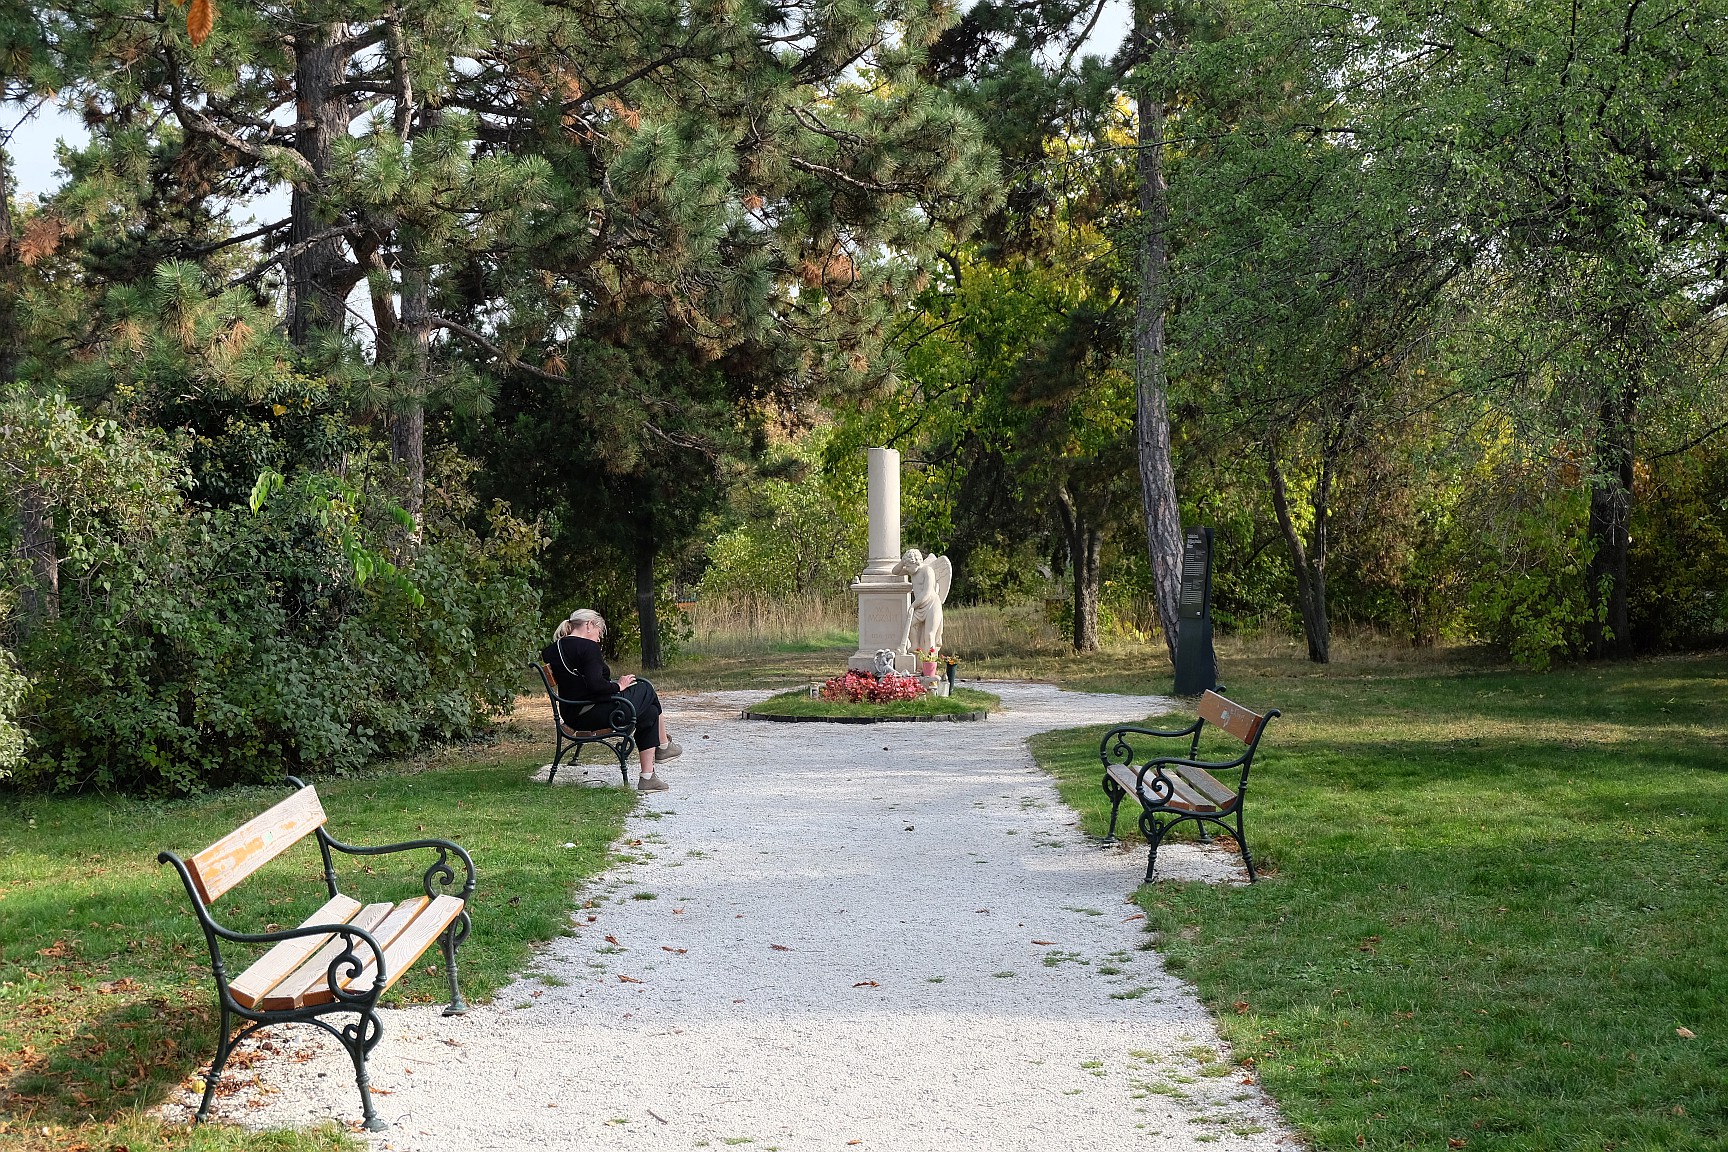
[
  {"x": 1194, "y": 601},
  {"x": 1196, "y": 662}
]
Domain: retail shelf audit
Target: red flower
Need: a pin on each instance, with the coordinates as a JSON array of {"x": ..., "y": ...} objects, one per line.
[{"x": 857, "y": 687}]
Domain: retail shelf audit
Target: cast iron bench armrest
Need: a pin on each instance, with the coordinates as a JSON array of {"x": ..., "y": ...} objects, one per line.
[
  {"x": 1161, "y": 795},
  {"x": 439, "y": 868}
]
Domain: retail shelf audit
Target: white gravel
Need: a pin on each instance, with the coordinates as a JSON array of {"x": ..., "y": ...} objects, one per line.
[{"x": 883, "y": 936}]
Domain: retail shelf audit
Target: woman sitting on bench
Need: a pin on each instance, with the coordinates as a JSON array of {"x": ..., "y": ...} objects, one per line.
[{"x": 581, "y": 672}]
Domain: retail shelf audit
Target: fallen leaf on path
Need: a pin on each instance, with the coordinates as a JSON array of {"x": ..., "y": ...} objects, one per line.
[
  {"x": 669, "y": 948},
  {"x": 779, "y": 947},
  {"x": 1136, "y": 916},
  {"x": 628, "y": 980},
  {"x": 1043, "y": 941},
  {"x": 866, "y": 984},
  {"x": 613, "y": 940}
]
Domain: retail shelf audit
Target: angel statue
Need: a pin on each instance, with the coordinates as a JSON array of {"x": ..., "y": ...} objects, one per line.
[{"x": 931, "y": 577}]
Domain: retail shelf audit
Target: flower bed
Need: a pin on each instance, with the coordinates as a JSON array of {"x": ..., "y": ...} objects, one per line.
[{"x": 863, "y": 687}]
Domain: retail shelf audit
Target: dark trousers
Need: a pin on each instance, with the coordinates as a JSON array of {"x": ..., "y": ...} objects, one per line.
[{"x": 641, "y": 694}]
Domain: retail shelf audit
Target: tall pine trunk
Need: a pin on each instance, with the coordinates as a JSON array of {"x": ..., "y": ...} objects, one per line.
[
  {"x": 319, "y": 275},
  {"x": 1308, "y": 560},
  {"x": 646, "y": 546},
  {"x": 39, "y": 598},
  {"x": 408, "y": 429},
  {"x": 1163, "y": 514}
]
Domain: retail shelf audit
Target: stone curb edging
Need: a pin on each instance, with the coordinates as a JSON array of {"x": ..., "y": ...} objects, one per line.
[{"x": 951, "y": 716}]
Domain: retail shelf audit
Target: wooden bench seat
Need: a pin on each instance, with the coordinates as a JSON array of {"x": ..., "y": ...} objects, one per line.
[
  {"x": 343, "y": 957},
  {"x": 1172, "y": 789}
]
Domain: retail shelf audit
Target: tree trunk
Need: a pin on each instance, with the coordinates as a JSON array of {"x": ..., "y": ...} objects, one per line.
[
  {"x": 39, "y": 598},
  {"x": 1609, "y": 631},
  {"x": 9, "y": 283},
  {"x": 1310, "y": 566},
  {"x": 645, "y": 615},
  {"x": 408, "y": 428},
  {"x": 1152, "y": 414},
  {"x": 1084, "y": 544},
  {"x": 319, "y": 275}
]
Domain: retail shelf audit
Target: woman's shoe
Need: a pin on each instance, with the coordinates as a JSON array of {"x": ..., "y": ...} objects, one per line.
[
  {"x": 667, "y": 751},
  {"x": 651, "y": 784}
]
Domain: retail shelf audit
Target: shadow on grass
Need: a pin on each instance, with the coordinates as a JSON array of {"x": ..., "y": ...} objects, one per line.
[{"x": 113, "y": 1062}]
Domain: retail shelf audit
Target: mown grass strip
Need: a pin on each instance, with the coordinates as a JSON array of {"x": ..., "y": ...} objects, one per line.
[
  {"x": 106, "y": 1000},
  {"x": 1491, "y": 903}
]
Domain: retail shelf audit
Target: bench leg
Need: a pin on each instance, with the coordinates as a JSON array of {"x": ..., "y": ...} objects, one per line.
[
  {"x": 360, "y": 1038},
  {"x": 224, "y": 1046},
  {"x": 1114, "y": 791},
  {"x": 451, "y": 940},
  {"x": 1247, "y": 857},
  {"x": 1154, "y": 829},
  {"x": 623, "y": 749}
]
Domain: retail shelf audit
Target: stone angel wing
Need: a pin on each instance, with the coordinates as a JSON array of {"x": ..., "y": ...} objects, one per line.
[{"x": 944, "y": 577}]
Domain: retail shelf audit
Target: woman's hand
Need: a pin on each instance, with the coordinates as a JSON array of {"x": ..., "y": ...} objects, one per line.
[{"x": 625, "y": 681}]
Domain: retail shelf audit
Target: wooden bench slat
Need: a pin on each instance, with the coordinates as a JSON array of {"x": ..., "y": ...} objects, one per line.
[
  {"x": 274, "y": 966},
  {"x": 401, "y": 953},
  {"x": 1184, "y": 794},
  {"x": 254, "y": 844},
  {"x": 313, "y": 975},
  {"x": 1230, "y": 717},
  {"x": 393, "y": 926},
  {"x": 1209, "y": 785},
  {"x": 586, "y": 733}
]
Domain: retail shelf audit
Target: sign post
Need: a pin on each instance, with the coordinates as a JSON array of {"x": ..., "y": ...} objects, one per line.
[{"x": 1196, "y": 661}]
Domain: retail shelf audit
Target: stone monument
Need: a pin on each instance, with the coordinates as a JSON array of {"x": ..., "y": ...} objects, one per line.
[
  {"x": 884, "y": 595},
  {"x": 900, "y": 595}
]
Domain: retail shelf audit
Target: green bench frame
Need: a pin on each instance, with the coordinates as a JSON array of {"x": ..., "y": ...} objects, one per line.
[{"x": 1176, "y": 789}]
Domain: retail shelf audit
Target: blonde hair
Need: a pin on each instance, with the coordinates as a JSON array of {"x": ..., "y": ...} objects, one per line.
[{"x": 579, "y": 617}]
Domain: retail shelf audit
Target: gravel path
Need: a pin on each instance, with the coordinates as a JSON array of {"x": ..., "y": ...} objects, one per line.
[{"x": 884, "y": 936}]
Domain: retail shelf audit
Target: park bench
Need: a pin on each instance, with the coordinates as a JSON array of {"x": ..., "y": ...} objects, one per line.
[
  {"x": 619, "y": 734},
  {"x": 345, "y": 955},
  {"x": 1172, "y": 789}
]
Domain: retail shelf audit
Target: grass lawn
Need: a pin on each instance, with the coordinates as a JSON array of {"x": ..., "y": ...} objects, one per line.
[
  {"x": 1491, "y": 913},
  {"x": 106, "y": 999},
  {"x": 964, "y": 700}
]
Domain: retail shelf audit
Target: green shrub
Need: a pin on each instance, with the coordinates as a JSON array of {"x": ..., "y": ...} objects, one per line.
[{"x": 203, "y": 646}]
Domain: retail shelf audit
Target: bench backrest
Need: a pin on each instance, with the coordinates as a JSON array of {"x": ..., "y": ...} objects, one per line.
[
  {"x": 546, "y": 679},
  {"x": 1231, "y": 717},
  {"x": 254, "y": 844}
]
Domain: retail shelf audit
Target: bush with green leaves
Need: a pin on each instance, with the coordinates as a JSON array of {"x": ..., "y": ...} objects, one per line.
[{"x": 197, "y": 646}]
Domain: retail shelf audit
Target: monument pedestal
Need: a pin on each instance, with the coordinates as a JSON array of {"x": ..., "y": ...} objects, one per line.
[{"x": 882, "y": 608}]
